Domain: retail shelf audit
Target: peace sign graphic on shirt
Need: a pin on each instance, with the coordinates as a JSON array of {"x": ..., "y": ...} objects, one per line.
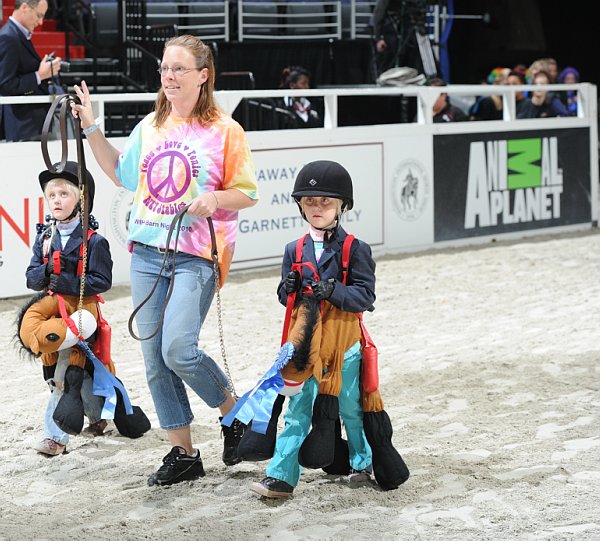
[{"x": 165, "y": 188}]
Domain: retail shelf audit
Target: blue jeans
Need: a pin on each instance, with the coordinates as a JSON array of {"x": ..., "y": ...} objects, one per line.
[
  {"x": 172, "y": 357},
  {"x": 298, "y": 417}
]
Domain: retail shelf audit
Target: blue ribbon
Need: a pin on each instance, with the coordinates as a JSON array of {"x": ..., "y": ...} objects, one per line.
[
  {"x": 104, "y": 385},
  {"x": 257, "y": 404}
]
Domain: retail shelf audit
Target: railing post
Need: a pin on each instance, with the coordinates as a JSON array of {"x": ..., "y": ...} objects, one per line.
[{"x": 331, "y": 111}]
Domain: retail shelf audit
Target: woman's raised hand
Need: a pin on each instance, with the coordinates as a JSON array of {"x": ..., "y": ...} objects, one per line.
[{"x": 83, "y": 110}]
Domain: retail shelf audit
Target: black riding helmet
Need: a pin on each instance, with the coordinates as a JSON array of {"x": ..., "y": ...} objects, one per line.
[
  {"x": 69, "y": 173},
  {"x": 324, "y": 178}
]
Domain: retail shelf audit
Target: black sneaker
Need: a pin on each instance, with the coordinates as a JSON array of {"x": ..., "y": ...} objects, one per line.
[
  {"x": 232, "y": 436},
  {"x": 270, "y": 487},
  {"x": 177, "y": 466}
]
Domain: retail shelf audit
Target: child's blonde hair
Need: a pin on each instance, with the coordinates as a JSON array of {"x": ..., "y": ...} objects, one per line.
[{"x": 55, "y": 182}]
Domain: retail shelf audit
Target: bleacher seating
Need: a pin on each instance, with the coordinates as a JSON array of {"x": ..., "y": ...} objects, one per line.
[
  {"x": 105, "y": 17},
  {"x": 161, "y": 13},
  {"x": 310, "y": 19},
  {"x": 281, "y": 20},
  {"x": 258, "y": 20},
  {"x": 360, "y": 18},
  {"x": 112, "y": 57},
  {"x": 208, "y": 20}
]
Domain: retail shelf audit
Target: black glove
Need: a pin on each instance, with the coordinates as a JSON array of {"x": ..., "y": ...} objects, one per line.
[
  {"x": 53, "y": 281},
  {"x": 50, "y": 264},
  {"x": 292, "y": 282},
  {"x": 323, "y": 289}
]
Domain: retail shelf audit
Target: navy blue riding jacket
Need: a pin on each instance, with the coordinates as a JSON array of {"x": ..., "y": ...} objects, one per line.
[
  {"x": 98, "y": 277},
  {"x": 358, "y": 295}
]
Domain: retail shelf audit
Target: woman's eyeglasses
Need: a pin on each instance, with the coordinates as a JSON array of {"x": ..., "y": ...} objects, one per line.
[{"x": 176, "y": 71}]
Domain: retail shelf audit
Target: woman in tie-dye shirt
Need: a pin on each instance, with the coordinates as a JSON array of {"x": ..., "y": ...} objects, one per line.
[{"x": 186, "y": 152}]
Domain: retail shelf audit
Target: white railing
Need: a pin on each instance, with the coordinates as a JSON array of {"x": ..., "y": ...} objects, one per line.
[
  {"x": 360, "y": 18},
  {"x": 425, "y": 95}
]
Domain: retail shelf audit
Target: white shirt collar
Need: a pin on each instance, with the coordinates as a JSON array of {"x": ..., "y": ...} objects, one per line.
[{"x": 27, "y": 33}]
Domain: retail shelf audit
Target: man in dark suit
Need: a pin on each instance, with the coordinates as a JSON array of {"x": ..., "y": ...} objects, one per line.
[{"x": 23, "y": 72}]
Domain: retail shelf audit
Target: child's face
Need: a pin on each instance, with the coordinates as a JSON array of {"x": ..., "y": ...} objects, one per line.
[
  {"x": 321, "y": 212},
  {"x": 61, "y": 199}
]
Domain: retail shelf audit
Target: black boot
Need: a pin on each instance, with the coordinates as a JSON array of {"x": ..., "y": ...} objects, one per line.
[
  {"x": 341, "y": 460},
  {"x": 255, "y": 446},
  {"x": 68, "y": 414},
  {"x": 133, "y": 425},
  {"x": 318, "y": 449},
  {"x": 388, "y": 466},
  {"x": 232, "y": 436}
]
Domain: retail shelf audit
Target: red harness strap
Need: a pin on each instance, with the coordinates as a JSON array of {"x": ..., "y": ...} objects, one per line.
[
  {"x": 66, "y": 317},
  {"x": 56, "y": 257},
  {"x": 103, "y": 336},
  {"x": 56, "y": 261},
  {"x": 291, "y": 300},
  {"x": 370, "y": 371},
  {"x": 346, "y": 256}
]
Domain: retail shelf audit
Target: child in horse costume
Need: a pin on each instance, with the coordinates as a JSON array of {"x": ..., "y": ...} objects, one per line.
[
  {"x": 328, "y": 280},
  {"x": 79, "y": 386}
]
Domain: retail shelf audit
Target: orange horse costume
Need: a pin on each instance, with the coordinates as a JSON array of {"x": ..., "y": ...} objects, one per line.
[
  {"x": 44, "y": 328},
  {"x": 319, "y": 335}
]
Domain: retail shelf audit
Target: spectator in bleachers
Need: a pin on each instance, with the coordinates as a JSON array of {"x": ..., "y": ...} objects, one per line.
[
  {"x": 542, "y": 103},
  {"x": 304, "y": 112},
  {"x": 23, "y": 72},
  {"x": 443, "y": 110},
  {"x": 541, "y": 64},
  {"x": 517, "y": 78},
  {"x": 551, "y": 68},
  {"x": 569, "y": 75},
  {"x": 490, "y": 107},
  {"x": 522, "y": 69}
]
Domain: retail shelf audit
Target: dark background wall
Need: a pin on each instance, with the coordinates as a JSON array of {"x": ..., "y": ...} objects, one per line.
[{"x": 520, "y": 31}]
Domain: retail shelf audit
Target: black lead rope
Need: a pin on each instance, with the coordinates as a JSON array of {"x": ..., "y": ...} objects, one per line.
[
  {"x": 63, "y": 104},
  {"x": 175, "y": 224}
]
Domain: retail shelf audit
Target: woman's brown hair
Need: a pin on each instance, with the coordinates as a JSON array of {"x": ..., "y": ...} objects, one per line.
[{"x": 205, "y": 110}]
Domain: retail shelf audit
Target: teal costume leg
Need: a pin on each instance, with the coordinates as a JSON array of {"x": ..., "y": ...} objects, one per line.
[
  {"x": 284, "y": 464},
  {"x": 351, "y": 410}
]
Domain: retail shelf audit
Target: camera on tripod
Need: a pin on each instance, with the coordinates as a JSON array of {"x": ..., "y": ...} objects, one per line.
[{"x": 64, "y": 65}]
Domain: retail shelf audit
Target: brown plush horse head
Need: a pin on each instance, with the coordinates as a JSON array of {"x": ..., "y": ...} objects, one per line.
[{"x": 43, "y": 332}]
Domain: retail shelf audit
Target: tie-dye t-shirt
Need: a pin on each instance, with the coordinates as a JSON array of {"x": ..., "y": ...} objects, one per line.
[{"x": 170, "y": 166}]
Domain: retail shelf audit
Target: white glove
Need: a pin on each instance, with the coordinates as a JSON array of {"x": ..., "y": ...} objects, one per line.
[{"x": 291, "y": 388}]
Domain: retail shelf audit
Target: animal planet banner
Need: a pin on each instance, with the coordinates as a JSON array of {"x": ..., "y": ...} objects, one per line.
[{"x": 494, "y": 183}]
